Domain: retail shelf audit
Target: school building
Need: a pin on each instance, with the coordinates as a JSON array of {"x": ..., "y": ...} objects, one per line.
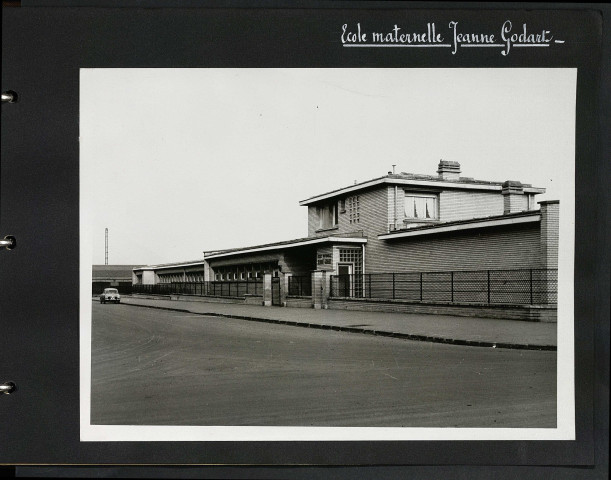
[{"x": 439, "y": 243}]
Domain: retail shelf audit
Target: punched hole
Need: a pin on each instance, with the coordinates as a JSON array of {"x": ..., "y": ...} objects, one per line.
[
  {"x": 10, "y": 96},
  {"x": 8, "y": 388}
]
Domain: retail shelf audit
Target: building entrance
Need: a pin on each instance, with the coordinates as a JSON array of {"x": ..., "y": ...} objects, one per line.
[{"x": 344, "y": 284}]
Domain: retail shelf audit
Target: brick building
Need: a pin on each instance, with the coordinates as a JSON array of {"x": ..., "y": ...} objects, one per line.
[
  {"x": 117, "y": 276},
  {"x": 397, "y": 223}
]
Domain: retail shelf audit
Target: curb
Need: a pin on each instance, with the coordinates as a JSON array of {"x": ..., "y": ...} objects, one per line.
[{"x": 381, "y": 333}]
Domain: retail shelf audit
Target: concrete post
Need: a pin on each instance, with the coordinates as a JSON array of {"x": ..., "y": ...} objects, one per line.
[
  {"x": 207, "y": 272},
  {"x": 267, "y": 289},
  {"x": 320, "y": 289},
  {"x": 284, "y": 287}
]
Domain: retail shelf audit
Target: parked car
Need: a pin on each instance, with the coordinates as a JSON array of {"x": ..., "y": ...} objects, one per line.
[{"x": 110, "y": 295}]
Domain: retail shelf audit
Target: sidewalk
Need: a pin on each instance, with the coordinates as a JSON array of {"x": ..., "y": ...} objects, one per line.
[{"x": 471, "y": 331}]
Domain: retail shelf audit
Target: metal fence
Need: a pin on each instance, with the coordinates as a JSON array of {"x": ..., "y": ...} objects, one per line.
[
  {"x": 519, "y": 287},
  {"x": 237, "y": 288},
  {"x": 300, "y": 285}
]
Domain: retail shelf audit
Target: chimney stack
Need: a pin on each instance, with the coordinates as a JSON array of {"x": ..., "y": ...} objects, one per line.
[
  {"x": 514, "y": 199},
  {"x": 448, "y": 170}
]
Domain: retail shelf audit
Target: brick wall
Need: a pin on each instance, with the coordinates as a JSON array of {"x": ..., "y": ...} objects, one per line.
[
  {"x": 373, "y": 214},
  {"x": 464, "y": 205},
  {"x": 506, "y": 312},
  {"x": 509, "y": 247},
  {"x": 515, "y": 203}
]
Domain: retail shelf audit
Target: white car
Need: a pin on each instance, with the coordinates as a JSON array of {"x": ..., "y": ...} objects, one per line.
[{"x": 110, "y": 295}]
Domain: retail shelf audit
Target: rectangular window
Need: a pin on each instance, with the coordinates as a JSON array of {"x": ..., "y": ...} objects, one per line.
[
  {"x": 327, "y": 216},
  {"x": 324, "y": 259},
  {"x": 421, "y": 207}
]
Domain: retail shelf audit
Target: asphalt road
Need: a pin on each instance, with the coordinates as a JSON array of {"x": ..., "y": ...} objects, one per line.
[{"x": 155, "y": 367}]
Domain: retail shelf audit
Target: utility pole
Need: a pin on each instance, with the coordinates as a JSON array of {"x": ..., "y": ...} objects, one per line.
[{"x": 106, "y": 246}]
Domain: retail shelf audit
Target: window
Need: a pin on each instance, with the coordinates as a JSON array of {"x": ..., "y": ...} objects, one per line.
[
  {"x": 327, "y": 216},
  {"x": 353, "y": 205},
  {"x": 324, "y": 259},
  {"x": 421, "y": 207}
]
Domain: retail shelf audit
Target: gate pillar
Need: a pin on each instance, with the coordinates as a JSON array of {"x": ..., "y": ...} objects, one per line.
[
  {"x": 284, "y": 288},
  {"x": 267, "y": 289},
  {"x": 320, "y": 289}
]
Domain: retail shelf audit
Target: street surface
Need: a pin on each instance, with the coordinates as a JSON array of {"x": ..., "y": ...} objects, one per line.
[{"x": 157, "y": 367}]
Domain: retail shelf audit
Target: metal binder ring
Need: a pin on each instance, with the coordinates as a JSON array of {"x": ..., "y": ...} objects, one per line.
[
  {"x": 8, "y": 387},
  {"x": 9, "y": 97},
  {"x": 9, "y": 242}
]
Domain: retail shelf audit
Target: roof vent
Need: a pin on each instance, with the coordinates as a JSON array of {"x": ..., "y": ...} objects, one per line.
[{"x": 448, "y": 170}]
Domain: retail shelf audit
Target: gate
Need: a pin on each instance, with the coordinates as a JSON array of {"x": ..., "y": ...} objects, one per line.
[{"x": 276, "y": 291}]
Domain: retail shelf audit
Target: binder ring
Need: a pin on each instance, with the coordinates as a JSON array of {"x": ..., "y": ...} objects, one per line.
[
  {"x": 9, "y": 97},
  {"x": 9, "y": 242},
  {"x": 8, "y": 388}
]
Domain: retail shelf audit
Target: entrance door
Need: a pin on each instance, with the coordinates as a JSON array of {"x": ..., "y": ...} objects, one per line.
[{"x": 344, "y": 284}]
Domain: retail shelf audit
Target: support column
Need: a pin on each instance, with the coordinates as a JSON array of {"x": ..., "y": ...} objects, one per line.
[
  {"x": 207, "y": 272},
  {"x": 267, "y": 289}
]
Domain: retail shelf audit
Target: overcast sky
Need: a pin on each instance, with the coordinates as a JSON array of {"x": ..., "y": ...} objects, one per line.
[{"x": 178, "y": 161}]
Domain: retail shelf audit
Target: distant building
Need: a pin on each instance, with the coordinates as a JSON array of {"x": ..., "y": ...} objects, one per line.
[{"x": 117, "y": 276}]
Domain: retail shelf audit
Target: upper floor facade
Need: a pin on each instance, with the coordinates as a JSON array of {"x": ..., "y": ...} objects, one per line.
[{"x": 402, "y": 201}]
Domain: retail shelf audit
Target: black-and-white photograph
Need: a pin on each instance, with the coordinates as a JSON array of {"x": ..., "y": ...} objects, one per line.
[{"x": 327, "y": 254}]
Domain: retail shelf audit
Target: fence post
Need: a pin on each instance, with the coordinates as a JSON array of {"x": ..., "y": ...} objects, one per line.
[
  {"x": 420, "y": 286},
  {"x": 452, "y": 287},
  {"x": 488, "y": 286},
  {"x": 393, "y": 286}
]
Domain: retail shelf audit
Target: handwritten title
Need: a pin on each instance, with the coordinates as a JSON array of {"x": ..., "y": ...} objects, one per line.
[{"x": 431, "y": 36}]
